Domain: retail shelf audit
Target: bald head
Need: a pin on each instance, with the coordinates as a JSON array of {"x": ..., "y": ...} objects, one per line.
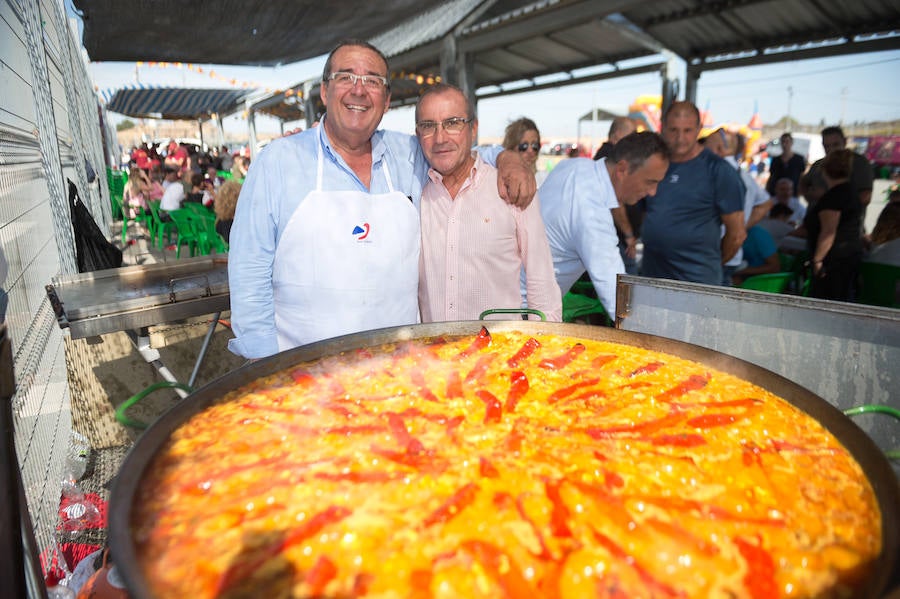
[
  {"x": 620, "y": 127},
  {"x": 682, "y": 109},
  {"x": 681, "y": 128}
]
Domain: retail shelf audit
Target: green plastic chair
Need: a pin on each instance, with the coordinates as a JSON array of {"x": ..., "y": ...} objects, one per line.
[
  {"x": 160, "y": 227},
  {"x": 880, "y": 284},
  {"x": 776, "y": 282},
  {"x": 581, "y": 303},
  {"x": 208, "y": 239},
  {"x": 198, "y": 209},
  {"x": 187, "y": 234}
]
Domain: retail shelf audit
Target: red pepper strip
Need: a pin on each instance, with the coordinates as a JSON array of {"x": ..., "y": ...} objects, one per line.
[
  {"x": 514, "y": 440},
  {"x": 401, "y": 434},
  {"x": 705, "y": 510},
  {"x": 635, "y": 385},
  {"x": 339, "y": 409},
  {"x": 612, "y": 479},
  {"x": 526, "y": 351},
  {"x": 679, "y": 440},
  {"x": 500, "y": 567},
  {"x": 454, "y": 385},
  {"x": 364, "y": 353},
  {"x": 454, "y": 423},
  {"x": 785, "y": 446},
  {"x": 713, "y": 420},
  {"x": 318, "y": 577},
  {"x": 751, "y": 453},
  {"x": 649, "y": 426},
  {"x": 420, "y": 583},
  {"x": 647, "y": 368},
  {"x": 760, "y": 576},
  {"x": 232, "y": 471},
  {"x": 620, "y": 554},
  {"x": 694, "y": 382},
  {"x": 424, "y": 461},
  {"x": 361, "y": 584},
  {"x": 503, "y": 500},
  {"x": 680, "y": 534},
  {"x": 486, "y": 469},
  {"x": 244, "y": 569},
  {"x": 493, "y": 409},
  {"x": 360, "y": 477},
  {"x": 517, "y": 388},
  {"x": 459, "y": 501},
  {"x": 480, "y": 368},
  {"x": 747, "y": 402},
  {"x": 567, "y": 391},
  {"x": 418, "y": 379},
  {"x": 560, "y": 514},
  {"x": 563, "y": 360},
  {"x": 602, "y": 360},
  {"x": 520, "y": 507},
  {"x": 359, "y": 429},
  {"x": 302, "y": 376},
  {"x": 482, "y": 340}
]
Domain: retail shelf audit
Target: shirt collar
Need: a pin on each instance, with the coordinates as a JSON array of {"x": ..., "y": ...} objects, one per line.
[
  {"x": 379, "y": 147},
  {"x": 476, "y": 170}
]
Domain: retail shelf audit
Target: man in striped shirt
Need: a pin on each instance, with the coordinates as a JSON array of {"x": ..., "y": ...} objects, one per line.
[{"x": 474, "y": 244}]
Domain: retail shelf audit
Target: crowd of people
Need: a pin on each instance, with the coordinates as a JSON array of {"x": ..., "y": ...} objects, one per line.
[
  {"x": 345, "y": 227},
  {"x": 183, "y": 173}
]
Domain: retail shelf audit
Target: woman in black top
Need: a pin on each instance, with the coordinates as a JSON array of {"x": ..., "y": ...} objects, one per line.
[{"x": 833, "y": 232}]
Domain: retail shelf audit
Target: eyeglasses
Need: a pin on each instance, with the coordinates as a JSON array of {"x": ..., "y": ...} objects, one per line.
[
  {"x": 452, "y": 125},
  {"x": 370, "y": 82},
  {"x": 523, "y": 147}
]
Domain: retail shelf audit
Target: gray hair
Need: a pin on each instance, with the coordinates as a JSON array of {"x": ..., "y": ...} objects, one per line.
[{"x": 635, "y": 148}]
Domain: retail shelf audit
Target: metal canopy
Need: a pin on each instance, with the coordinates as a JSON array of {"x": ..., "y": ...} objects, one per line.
[
  {"x": 176, "y": 103},
  {"x": 570, "y": 41},
  {"x": 248, "y": 32}
]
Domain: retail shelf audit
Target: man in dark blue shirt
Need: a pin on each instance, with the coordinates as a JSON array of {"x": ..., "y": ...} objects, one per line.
[{"x": 682, "y": 230}]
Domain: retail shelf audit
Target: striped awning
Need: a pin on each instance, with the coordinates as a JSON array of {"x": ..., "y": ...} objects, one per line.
[{"x": 176, "y": 103}]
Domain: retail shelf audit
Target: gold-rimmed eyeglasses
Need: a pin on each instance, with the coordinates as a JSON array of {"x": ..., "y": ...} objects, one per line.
[
  {"x": 370, "y": 82},
  {"x": 452, "y": 125}
]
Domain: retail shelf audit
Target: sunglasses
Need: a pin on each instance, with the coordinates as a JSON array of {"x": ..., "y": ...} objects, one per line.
[{"x": 523, "y": 147}]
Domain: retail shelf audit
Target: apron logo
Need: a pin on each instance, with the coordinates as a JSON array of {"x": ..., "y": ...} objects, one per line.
[{"x": 364, "y": 230}]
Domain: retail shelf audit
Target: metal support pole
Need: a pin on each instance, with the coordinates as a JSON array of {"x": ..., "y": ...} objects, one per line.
[{"x": 204, "y": 348}]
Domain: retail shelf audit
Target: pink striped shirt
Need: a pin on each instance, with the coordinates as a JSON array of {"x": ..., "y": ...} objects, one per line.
[{"x": 474, "y": 247}]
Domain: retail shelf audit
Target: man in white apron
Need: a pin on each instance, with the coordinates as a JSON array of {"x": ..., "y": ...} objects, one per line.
[{"x": 325, "y": 240}]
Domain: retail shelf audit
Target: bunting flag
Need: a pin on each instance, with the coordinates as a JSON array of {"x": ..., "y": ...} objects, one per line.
[{"x": 212, "y": 74}]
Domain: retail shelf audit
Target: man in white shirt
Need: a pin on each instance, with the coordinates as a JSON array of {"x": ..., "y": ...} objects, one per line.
[
  {"x": 576, "y": 200},
  {"x": 174, "y": 191},
  {"x": 784, "y": 194}
]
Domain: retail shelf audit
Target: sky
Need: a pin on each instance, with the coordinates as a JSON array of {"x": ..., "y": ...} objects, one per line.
[{"x": 844, "y": 89}]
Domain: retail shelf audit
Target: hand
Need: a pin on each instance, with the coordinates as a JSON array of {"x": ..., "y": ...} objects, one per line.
[
  {"x": 631, "y": 247},
  {"x": 818, "y": 269},
  {"x": 515, "y": 181}
]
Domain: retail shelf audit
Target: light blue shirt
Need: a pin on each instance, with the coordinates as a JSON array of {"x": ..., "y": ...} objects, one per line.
[
  {"x": 280, "y": 178},
  {"x": 576, "y": 200}
]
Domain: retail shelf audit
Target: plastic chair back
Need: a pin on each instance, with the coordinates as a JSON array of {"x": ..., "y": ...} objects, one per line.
[
  {"x": 187, "y": 234},
  {"x": 773, "y": 283},
  {"x": 880, "y": 284},
  {"x": 160, "y": 227}
]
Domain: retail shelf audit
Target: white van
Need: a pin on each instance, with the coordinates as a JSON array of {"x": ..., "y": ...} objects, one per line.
[{"x": 806, "y": 144}]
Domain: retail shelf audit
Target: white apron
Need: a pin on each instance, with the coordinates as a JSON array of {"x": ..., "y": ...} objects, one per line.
[{"x": 347, "y": 261}]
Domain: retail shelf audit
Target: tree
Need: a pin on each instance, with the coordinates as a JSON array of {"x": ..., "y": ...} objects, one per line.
[{"x": 125, "y": 125}]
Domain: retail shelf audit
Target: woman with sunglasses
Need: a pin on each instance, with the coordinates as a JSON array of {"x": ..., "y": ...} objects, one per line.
[{"x": 522, "y": 135}]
